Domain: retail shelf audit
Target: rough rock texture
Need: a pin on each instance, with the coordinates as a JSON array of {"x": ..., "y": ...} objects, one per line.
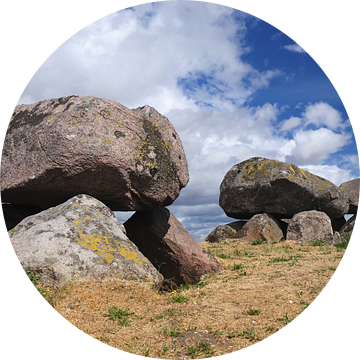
[
  {"x": 13, "y": 214},
  {"x": 237, "y": 225},
  {"x": 347, "y": 229},
  {"x": 343, "y": 234},
  {"x": 260, "y": 185},
  {"x": 261, "y": 227},
  {"x": 58, "y": 148},
  {"x": 333, "y": 239},
  {"x": 352, "y": 189},
  {"x": 224, "y": 232},
  {"x": 309, "y": 226},
  {"x": 165, "y": 242},
  {"x": 221, "y": 233},
  {"x": 80, "y": 239}
]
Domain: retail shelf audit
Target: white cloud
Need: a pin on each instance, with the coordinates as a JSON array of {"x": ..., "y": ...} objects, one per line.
[
  {"x": 295, "y": 48},
  {"x": 315, "y": 146},
  {"x": 351, "y": 161},
  {"x": 330, "y": 172},
  {"x": 290, "y": 123},
  {"x": 155, "y": 54},
  {"x": 321, "y": 113}
]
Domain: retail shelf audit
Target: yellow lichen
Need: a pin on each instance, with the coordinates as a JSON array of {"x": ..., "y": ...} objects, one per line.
[{"x": 104, "y": 245}]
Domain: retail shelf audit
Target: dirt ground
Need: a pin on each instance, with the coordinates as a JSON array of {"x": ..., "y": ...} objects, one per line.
[{"x": 263, "y": 288}]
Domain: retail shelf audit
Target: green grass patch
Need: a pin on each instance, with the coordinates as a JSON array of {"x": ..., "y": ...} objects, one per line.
[
  {"x": 171, "y": 331},
  {"x": 254, "y": 311},
  {"x": 237, "y": 267},
  {"x": 285, "y": 319},
  {"x": 115, "y": 313},
  {"x": 199, "y": 285},
  {"x": 259, "y": 242},
  {"x": 293, "y": 258},
  {"x": 179, "y": 299}
]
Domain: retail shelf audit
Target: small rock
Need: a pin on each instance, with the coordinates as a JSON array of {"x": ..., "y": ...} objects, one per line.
[
  {"x": 261, "y": 227},
  {"x": 309, "y": 226}
]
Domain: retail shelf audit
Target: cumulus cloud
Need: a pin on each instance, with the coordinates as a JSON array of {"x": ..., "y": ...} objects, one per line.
[
  {"x": 295, "y": 48},
  {"x": 351, "y": 161},
  {"x": 156, "y": 54},
  {"x": 314, "y": 146},
  {"x": 290, "y": 123},
  {"x": 323, "y": 114},
  {"x": 330, "y": 172}
]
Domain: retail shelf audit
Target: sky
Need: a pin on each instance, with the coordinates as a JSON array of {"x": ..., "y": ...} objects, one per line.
[{"x": 233, "y": 86}]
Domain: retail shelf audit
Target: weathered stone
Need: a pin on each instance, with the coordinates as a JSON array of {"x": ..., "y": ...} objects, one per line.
[
  {"x": 80, "y": 239},
  {"x": 13, "y": 214},
  {"x": 352, "y": 189},
  {"x": 344, "y": 234},
  {"x": 333, "y": 239},
  {"x": 224, "y": 232},
  {"x": 172, "y": 250},
  {"x": 220, "y": 233},
  {"x": 237, "y": 225},
  {"x": 58, "y": 148},
  {"x": 348, "y": 227},
  {"x": 309, "y": 226},
  {"x": 260, "y": 185},
  {"x": 261, "y": 227}
]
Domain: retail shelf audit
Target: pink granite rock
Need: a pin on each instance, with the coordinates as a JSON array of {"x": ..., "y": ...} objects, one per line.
[
  {"x": 58, "y": 148},
  {"x": 169, "y": 247},
  {"x": 262, "y": 227}
]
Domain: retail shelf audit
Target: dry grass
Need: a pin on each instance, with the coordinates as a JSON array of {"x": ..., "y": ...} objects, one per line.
[{"x": 261, "y": 290}]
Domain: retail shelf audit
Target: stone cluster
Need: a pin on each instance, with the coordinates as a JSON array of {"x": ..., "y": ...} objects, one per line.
[
  {"x": 67, "y": 163},
  {"x": 276, "y": 201}
]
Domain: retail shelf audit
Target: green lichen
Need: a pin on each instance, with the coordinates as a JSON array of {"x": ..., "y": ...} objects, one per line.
[
  {"x": 269, "y": 169},
  {"x": 154, "y": 152}
]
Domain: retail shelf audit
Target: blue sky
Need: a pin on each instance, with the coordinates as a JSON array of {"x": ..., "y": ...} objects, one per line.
[{"x": 232, "y": 85}]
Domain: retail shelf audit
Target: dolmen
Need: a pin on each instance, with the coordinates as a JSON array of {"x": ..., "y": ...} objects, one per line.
[
  {"x": 67, "y": 164},
  {"x": 283, "y": 201}
]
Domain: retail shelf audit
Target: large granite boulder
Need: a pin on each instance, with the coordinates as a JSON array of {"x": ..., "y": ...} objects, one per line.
[
  {"x": 260, "y": 185},
  {"x": 309, "y": 226},
  {"x": 352, "y": 189},
  {"x": 262, "y": 227},
  {"x": 172, "y": 250},
  {"x": 80, "y": 239},
  {"x": 58, "y": 148}
]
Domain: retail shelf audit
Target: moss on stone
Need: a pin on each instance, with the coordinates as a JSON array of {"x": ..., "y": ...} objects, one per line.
[{"x": 160, "y": 163}]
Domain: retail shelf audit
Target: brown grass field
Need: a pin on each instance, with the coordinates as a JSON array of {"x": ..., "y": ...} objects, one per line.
[{"x": 263, "y": 288}]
